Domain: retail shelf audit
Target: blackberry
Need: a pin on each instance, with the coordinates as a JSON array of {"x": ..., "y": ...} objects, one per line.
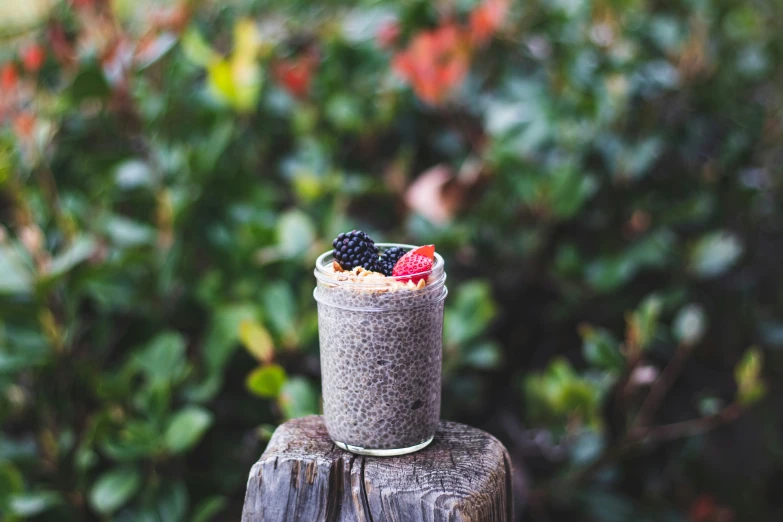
[
  {"x": 355, "y": 248},
  {"x": 388, "y": 259}
]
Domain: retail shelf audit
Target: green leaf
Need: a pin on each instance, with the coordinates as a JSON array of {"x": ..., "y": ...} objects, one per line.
[
  {"x": 213, "y": 146},
  {"x": 90, "y": 83},
  {"x": 295, "y": 233},
  {"x": 715, "y": 253},
  {"x": 653, "y": 251},
  {"x": 298, "y": 398},
  {"x": 221, "y": 341},
  {"x": 630, "y": 161},
  {"x": 344, "y": 112},
  {"x": 643, "y": 322},
  {"x": 11, "y": 480},
  {"x": 558, "y": 396},
  {"x": 125, "y": 233},
  {"x": 135, "y": 440},
  {"x": 667, "y": 32},
  {"x": 266, "y": 381},
  {"x": 747, "y": 374},
  {"x": 487, "y": 355},
  {"x": 31, "y": 504},
  {"x": 172, "y": 502},
  {"x": 224, "y": 333},
  {"x": 257, "y": 340},
  {"x": 85, "y": 458},
  {"x": 607, "y": 274},
  {"x": 208, "y": 508},
  {"x": 601, "y": 349},
  {"x": 638, "y": 159},
  {"x": 80, "y": 250},
  {"x": 197, "y": 49},
  {"x": 279, "y": 307},
  {"x": 186, "y": 428},
  {"x": 690, "y": 324},
  {"x": 568, "y": 260},
  {"x": 113, "y": 489},
  {"x": 13, "y": 362},
  {"x": 163, "y": 358},
  {"x": 132, "y": 174},
  {"x": 523, "y": 119},
  {"x": 15, "y": 275},
  {"x": 470, "y": 313},
  {"x": 568, "y": 190}
]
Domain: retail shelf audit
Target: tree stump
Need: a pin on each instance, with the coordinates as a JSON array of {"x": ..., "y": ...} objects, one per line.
[{"x": 463, "y": 475}]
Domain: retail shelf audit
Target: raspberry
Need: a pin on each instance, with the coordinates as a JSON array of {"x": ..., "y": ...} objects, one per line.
[
  {"x": 388, "y": 259},
  {"x": 355, "y": 248}
]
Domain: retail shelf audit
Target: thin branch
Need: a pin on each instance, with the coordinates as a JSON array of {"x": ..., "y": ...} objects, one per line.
[
  {"x": 689, "y": 428},
  {"x": 661, "y": 386},
  {"x": 666, "y": 432}
]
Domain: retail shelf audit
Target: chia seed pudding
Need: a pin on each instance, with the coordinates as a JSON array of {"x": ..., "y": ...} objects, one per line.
[{"x": 381, "y": 350}]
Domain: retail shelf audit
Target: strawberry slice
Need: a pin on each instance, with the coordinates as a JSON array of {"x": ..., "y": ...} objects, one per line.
[{"x": 416, "y": 263}]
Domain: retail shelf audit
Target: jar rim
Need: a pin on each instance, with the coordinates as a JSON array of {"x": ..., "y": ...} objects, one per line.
[{"x": 326, "y": 276}]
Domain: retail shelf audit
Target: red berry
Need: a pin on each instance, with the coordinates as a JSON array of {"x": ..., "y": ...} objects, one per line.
[{"x": 413, "y": 264}]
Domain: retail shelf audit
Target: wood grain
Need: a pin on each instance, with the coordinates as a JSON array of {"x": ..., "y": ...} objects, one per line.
[{"x": 464, "y": 475}]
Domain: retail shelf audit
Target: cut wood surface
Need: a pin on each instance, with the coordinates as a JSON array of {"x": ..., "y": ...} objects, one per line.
[{"x": 464, "y": 475}]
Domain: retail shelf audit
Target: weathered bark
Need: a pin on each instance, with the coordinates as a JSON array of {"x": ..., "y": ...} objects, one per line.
[{"x": 464, "y": 475}]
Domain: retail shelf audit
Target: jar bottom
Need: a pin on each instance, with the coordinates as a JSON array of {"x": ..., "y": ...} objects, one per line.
[{"x": 394, "y": 452}]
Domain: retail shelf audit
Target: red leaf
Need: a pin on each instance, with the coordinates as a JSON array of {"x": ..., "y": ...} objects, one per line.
[
  {"x": 33, "y": 57},
  {"x": 9, "y": 77},
  {"x": 296, "y": 74},
  {"x": 486, "y": 19},
  {"x": 435, "y": 62}
]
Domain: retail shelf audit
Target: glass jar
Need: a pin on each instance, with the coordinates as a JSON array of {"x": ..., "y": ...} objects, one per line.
[{"x": 381, "y": 350}]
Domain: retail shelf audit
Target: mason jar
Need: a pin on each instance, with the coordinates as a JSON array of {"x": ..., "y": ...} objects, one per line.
[{"x": 381, "y": 344}]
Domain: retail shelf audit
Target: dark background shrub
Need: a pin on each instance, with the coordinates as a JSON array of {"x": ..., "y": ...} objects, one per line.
[{"x": 603, "y": 179}]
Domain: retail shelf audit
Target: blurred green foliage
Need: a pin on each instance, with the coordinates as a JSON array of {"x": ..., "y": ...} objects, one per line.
[{"x": 603, "y": 178}]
